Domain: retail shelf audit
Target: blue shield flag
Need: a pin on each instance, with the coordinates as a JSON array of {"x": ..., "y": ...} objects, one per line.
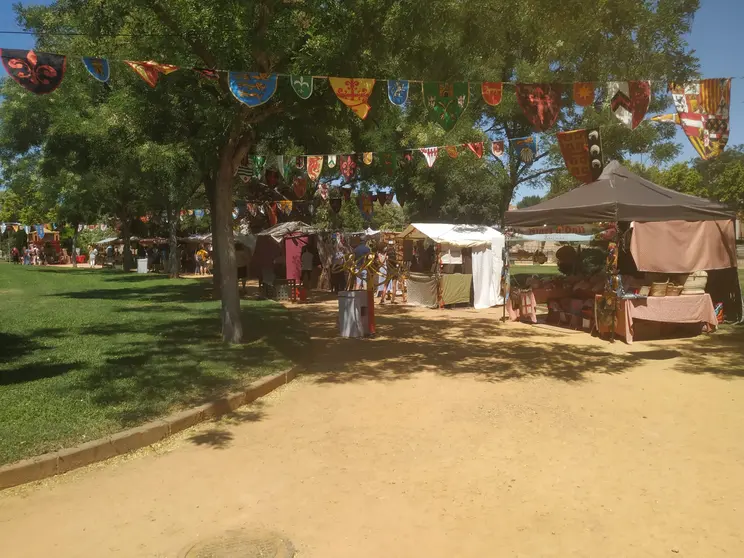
[
  {"x": 40, "y": 231},
  {"x": 98, "y": 68},
  {"x": 398, "y": 91},
  {"x": 252, "y": 89}
]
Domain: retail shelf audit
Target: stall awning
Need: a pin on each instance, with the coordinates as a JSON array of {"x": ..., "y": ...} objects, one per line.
[
  {"x": 281, "y": 230},
  {"x": 462, "y": 236}
]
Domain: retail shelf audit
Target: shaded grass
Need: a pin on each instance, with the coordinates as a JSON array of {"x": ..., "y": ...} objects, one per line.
[
  {"x": 534, "y": 270},
  {"x": 86, "y": 353}
]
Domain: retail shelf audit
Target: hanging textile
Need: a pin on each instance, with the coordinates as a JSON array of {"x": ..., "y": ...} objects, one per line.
[
  {"x": 526, "y": 148},
  {"x": 40, "y": 231},
  {"x": 629, "y": 100},
  {"x": 703, "y": 112},
  {"x": 388, "y": 163},
  {"x": 583, "y": 165},
  {"x": 492, "y": 92},
  {"x": 476, "y": 148},
  {"x": 252, "y": 89},
  {"x": 367, "y": 157},
  {"x": 302, "y": 85},
  {"x": 497, "y": 148},
  {"x": 198, "y": 213},
  {"x": 285, "y": 206},
  {"x": 299, "y": 185},
  {"x": 366, "y": 207},
  {"x": 335, "y": 204},
  {"x": 405, "y": 160},
  {"x": 390, "y": 197},
  {"x": 299, "y": 162},
  {"x": 27, "y": 229},
  {"x": 348, "y": 167},
  {"x": 331, "y": 161},
  {"x": 259, "y": 162},
  {"x": 451, "y": 151},
  {"x": 446, "y": 102},
  {"x": 245, "y": 173},
  {"x": 3, "y": 228},
  {"x": 430, "y": 154},
  {"x": 354, "y": 93},
  {"x": 98, "y": 68},
  {"x": 251, "y": 207},
  {"x": 347, "y": 193},
  {"x": 272, "y": 177},
  {"x": 398, "y": 91},
  {"x": 271, "y": 213},
  {"x": 583, "y": 93},
  {"x": 314, "y": 166},
  {"x": 540, "y": 102},
  {"x": 323, "y": 190},
  {"x": 382, "y": 197},
  {"x": 39, "y": 73},
  {"x": 207, "y": 73},
  {"x": 150, "y": 71}
]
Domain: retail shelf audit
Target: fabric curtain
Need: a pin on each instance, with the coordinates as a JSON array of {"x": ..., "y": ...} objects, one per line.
[
  {"x": 422, "y": 290},
  {"x": 293, "y": 254},
  {"x": 497, "y": 249},
  {"x": 456, "y": 288},
  {"x": 487, "y": 264}
]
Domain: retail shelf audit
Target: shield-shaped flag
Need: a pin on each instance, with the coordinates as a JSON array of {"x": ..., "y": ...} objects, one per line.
[
  {"x": 446, "y": 102},
  {"x": 252, "y": 89},
  {"x": 451, "y": 151},
  {"x": 366, "y": 206},
  {"x": 299, "y": 185},
  {"x": 285, "y": 206},
  {"x": 629, "y": 100},
  {"x": 497, "y": 148},
  {"x": 430, "y": 154},
  {"x": 150, "y": 71},
  {"x": 323, "y": 190},
  {"x": 492, "y": 92},
  {"x": 348, "y": 167},
  {"x": 331, "y": 161},
  {"x": 367, "y": 157},
  {"x": 259, "y": 163},
  {"x": 405, "y": 159},
  {"x": 381, "y": 197},
  {"x": 314, "y": 166},
  {"x": 398, "y": 91},
  {"x": 300, "y": 162},
  {"x": 354, "y": 93},
  {"x": 39, "y": 73},
  {"x": 302, "y": 85},
  {"x": 347, "y": 193},
  {"x": 98, "y": 68},
  {"x": 526, "y": 148},
  {"x": 540, "y": 102},
  {"x": 476, "y": 148},
  {"x": 583, "y": 93},
  {"x": 271, "y": 212},
  {"x": 401, "y": 195},
  {"x": 388, "y": 163}
]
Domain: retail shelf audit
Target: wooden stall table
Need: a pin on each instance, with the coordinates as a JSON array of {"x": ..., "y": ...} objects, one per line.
[
  {"x": 682, "y": 309},
  {"x": 527, "y": 306}
]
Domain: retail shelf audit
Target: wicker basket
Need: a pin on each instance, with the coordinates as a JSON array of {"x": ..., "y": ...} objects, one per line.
[
  {"x": 658, "y": 289},
  {"x": 674, "y": 290}
]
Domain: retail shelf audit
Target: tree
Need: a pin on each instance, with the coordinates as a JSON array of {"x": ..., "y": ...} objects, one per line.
[{"x": 529, "y": 201}]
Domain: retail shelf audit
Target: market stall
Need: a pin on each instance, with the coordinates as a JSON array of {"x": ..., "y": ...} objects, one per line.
[
  {"x": 447, "y": 260},
  {"x": 654, "y": 237},
  {"x": 277, "y": 258}
]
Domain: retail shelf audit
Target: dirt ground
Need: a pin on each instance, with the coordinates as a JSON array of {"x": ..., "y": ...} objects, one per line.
[{"x": 450, "y": 434}]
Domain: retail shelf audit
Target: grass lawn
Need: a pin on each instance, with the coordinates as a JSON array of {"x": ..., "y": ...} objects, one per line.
[
  {"x": 535, "y": 269},
  {"x": 87, "y": 353}
]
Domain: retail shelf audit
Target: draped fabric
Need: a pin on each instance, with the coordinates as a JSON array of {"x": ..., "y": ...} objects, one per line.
[
  {"x": 252, "y": 89},
  {"x": 629, "y": 100},
  {"x": 150, "y": 71},
  {"x": 354, "y": 93},
  {"x": 98, "y": 68},
  {"x": 446, "y": 102},
  {"x": 39, "y": 73},
  {"x": 583, "y": 93},
  {"x": 540, "y": 103}
]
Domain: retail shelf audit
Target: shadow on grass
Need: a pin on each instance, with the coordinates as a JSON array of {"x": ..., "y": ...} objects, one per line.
[{"x": 35, "y": 371}]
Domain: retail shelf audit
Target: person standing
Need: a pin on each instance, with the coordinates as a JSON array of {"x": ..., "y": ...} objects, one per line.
[
  {"x": 308, "y": 261},
  {"x": 201, "y": 261},
  {"x": 242, "y": 260},
  {"x": 391, "y": 284},
  {"x": 338, "y": 276},
  {"x": 92, "y": 256}
]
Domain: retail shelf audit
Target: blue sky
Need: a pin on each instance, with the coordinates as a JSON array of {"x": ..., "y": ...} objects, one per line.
[{"x": 715, "y": 38}]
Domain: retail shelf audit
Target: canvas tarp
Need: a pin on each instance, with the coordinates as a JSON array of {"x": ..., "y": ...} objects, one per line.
[
  {"x": 461, "y": 236},
  {"x": 618, "y": 195},
  {"x": 281, "y": 230},
  {"x": 422, "y": 290}
]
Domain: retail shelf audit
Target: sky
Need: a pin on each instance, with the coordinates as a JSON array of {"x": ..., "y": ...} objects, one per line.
[{"x": 714, "y": 37}]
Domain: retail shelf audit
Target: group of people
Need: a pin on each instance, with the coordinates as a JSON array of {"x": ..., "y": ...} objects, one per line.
[{"x": 28, "y": 256}]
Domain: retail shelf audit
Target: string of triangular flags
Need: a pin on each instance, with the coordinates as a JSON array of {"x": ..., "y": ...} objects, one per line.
[
  {"x": 541, "y": 102},
  {"x": 40, "y": 229}
]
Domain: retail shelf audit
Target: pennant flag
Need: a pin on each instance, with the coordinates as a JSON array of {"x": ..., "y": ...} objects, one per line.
[
  {"x": 259, "y": 162},
  {"x": 476, "y": 148},
  {"x": 104, "y": 226},
  {"x": 367, "y": 157},
  {"x": 492, "y": 92},
  {"x": 348, "y": 167},
  {"x": 398, "y": 91},
  {"x": 245, "y": 173},
  {"x": 629, "y": 101},
  {"x": 366, "y": 206},
  {"x": 497, "y": 148},
  {"x": 390, "y": 197},
  {"x": 150, "y": 71},
  {"x": 40, "y": 231},
  {"x": 583, "y": 93},
  {"x": 401, "y": 197},
  {"x": 574, "y": 146},
  {"x": 331, "y": 161},
  {"x": 15, "y": 228},
  {"x": 525, "y": 147},
  {"x": 323, "y": 190},
  {"x": 374, "y": 198},
  {"x": 198, "y": 213},
  {"x": 27, "y": 229},
  {"x": 703, "y": 113},
  {"x": 446, "y": 102},
  {"x": 451, "y": 151},
  {"x": 430, "y": 154},
  {"x": 347, "y": 193},
  {"x": 271, "y": 213},
  {"x": 381, "y": 197},
  {"x": 299, "y": 185},
  {"x": 314, "y": 166},
  {"x": 80, "y": 227},
  {"x": 252, "y": 89},
  {"x": 354, "y": 93},
  {"x": 251, "y": 207},
  {"x": 388, "y": 163},
  {"x": 3, "y": 228},
  {"x": 235, "y": 213},
  {"x": 39, "y": 73},
  {"x": 300, "y": 162},
  {"x": 335, "y": 204},
  {"x": 207, "y": 73},
  {"x": 596, "y": 157},
  {"x": 540, "y": 102},
  {"x": 285, "y": 206},
  {"x": 98, "y": 68},
  {"x": 302, "y": 85},
  {"x": 272, "y": 177},
  {"x": 280, "y": 166}
]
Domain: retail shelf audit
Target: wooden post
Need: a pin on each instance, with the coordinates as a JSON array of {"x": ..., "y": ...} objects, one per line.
[{"x": 370, "y": 299}]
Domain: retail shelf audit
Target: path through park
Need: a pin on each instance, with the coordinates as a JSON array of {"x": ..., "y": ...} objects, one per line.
[{"x": 448, "y": 435}]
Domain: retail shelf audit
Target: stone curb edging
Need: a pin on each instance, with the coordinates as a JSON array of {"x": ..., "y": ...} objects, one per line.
[{"x": 55, "y": 463}]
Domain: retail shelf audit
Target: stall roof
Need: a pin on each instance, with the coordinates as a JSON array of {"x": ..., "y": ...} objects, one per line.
[
  {"x": 618, "y": 195},
  {"x": 464, "y": 236},
  {"x": 280, "y": 230}
]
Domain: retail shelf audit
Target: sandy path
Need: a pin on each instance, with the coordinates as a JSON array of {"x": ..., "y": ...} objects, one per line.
[{"x": 521, "y": 443}]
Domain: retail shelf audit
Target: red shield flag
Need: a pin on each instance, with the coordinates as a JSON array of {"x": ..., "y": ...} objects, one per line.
[
  {"x": 491, "y": 92},
  {"x": 314, "y": 166},
  {"x": 582, "y": 153},
  {"x": 583, "y": 93},
  {"x": 497, "y": 148},
  {"x": 476, "y": 148},
  {"x": 540, "y": 102},
  {"x": 299, "y": 185}
]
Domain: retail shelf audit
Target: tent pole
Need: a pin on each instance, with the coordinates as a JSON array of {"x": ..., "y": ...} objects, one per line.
[{"x": 614, "y": 282}]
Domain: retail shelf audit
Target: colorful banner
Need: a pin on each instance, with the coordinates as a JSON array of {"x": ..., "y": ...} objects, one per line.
[
  {"x": 348, "y": 167},
  {"x": 366, "y": 206},
  {"x": 430, "y": 154},
  {"x": 323, "y": 190},
  {"x": 314, "y": 166},
  {"x": 583, "y": 93},
  {"x": 451, "y": 151},
  {"x": 540, "y": 102},
  {"x": 150, "y": 71},
  {"x": 252, "y": 89},
  {"x": 302, "y": 85},
  {"x": 629, "y": 101},
  {"x": 574, "y": 148},
  {"x": 492, "y": 92},
  {"x": 39, "y": 73},
  {"x": 331, "y": 161},
  {"x": 476, "y": 148},
  {"x": 354, "y": 93},
  {"x": 335, "y": 204},
  {"x": 367, "y": 157},
  {"x": 526, "y": 148},
  {"x": 98, "y": 68},
  {"x": 497, "y": 148},
  {"x": 446, "y": 102},
  {"x": 299, "y": 185},
  {"x": 398, "y": 91},
  {"x": 382, "y": 197}
]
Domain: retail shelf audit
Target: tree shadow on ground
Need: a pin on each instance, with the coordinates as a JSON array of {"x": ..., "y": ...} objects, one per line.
[
  {"x": 720, "y": 354},
  {"x": 219, "y": 436},
  {"x": 35, "y": 371}
]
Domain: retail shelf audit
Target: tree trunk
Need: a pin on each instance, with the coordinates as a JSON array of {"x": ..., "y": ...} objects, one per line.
[
  {"x": 127, "y": 264},
  {"x": 74, "y": 246},
  {"x": 174, "y": 260}
]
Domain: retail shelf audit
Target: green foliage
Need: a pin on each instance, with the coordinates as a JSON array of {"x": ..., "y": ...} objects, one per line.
[{"x": 529, "y": 201}]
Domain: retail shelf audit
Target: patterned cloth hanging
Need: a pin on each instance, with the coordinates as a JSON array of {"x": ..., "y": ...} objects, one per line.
[
  {"x": 98, "y": 68},
  {"x": 302, "y": 85},
  {"x": 476, "y": 148},
  {"x": 348, "y": 167},
  {"x": 299, "y": 185},
  {"x": 389, "y": 163},
  {"x": 335, "y": 204},
  {"x": 251, "y": 88},
  {"x": 540, "y": 102},
  {"x": 405, "y": 160},
  {"x": 323, "y": 190},
  {"x": 583, "y": 93},
  {"x": 398, "y": 91},
  {"x": 207, "y": 73},
  {"x": 285, "y": 206},
  {"x": 331, "y": 161},
  {"x": 390, "y": 197},
  {"x": 150, "y": 71},
  {"x": 451, "y": 151},
  {"x": 629, "y": 100},
  {"x": 354, "y": 93},
  {"x": 401, "y": 197},
  {"x": 703, "y": 112},
  {"x": 526, "y": 148},
  {"x": 272, "y": 177},
  {"x": 314, "y": 166},
  {"x": 198, "y": 213},
  {"x": 300, "y": 162},
  {"x": 430, "y": 154},
  {"x": 39, "y": 73},
  {"x": 245, "y": 173},
  {"x": 40, "y": 231},
  {"x": 497, "y": 148},
  {"x": 492, "y": 92},
  {"x": 382, "y": 197},
  {"x": 367, "y": 157},
  {"x": 259, "y": 163},
  {"x": 366, "y": 206},
  {"x": 3, "y": 228},
  {"x": 251, "y": 207},
  {"x": 582, "y": 161},
  {"x": 271, "y": 213},
  {"x": 446, "y": 102}
]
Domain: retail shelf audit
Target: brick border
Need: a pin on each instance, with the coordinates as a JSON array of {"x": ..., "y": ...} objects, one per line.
[{"x": 55, "y": 463}]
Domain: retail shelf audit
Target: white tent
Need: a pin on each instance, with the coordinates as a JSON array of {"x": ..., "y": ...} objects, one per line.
[{"x": 487, "y": 246}]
